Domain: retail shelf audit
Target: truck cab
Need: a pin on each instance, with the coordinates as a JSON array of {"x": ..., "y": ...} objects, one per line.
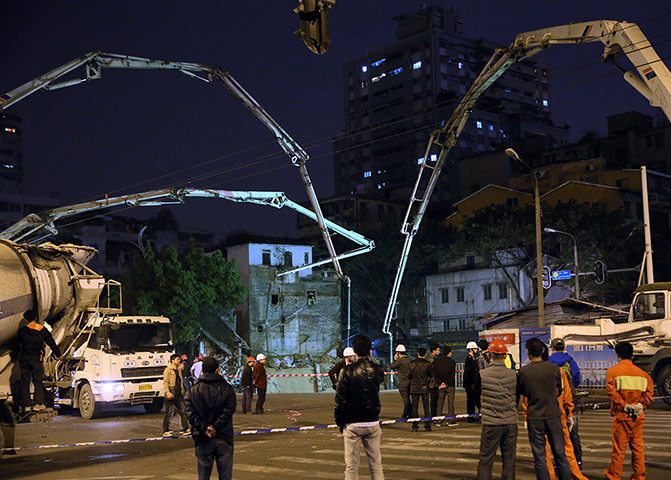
[{"x": 117, "y": 360}]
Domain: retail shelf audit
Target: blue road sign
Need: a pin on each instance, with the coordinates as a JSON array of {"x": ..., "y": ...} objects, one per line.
[{"x": 561, "y": 275}]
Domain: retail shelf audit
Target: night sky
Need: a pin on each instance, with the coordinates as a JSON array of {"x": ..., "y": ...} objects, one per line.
[{"x": 133, "y": 131}]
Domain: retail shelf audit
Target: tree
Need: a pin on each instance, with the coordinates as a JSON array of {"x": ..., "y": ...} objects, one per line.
[{"x": 187, "y": 288}]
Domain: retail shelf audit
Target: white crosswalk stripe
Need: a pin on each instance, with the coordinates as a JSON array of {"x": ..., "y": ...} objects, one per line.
[{"x": 452, "y": 452}]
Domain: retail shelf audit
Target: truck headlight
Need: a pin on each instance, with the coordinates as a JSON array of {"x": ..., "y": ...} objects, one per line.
[
  {"x": 119, "y": 388},
  {"x": 108, "y": 387}
]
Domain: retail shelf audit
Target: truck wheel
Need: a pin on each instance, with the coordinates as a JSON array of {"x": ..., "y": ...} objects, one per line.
[
  {"x": 88, "y": 407},
  {"x": 664, "y": 384},
  {"x": 155, "y": 406}
]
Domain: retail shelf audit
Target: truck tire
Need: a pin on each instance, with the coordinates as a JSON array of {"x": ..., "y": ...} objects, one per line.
[
  {"x": 155, "y": 406},
  {"x": 664, "y": 384},
  {"x": 88, "y": 407}
]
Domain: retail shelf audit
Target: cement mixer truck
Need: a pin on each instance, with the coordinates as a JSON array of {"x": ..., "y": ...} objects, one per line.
[{"x": 109, "y": 359}]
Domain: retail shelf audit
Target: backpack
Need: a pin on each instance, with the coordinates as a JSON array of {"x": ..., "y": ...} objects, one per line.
[{"x": 567, "y": 370}]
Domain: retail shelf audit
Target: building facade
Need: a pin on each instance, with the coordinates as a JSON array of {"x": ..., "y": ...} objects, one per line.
[
  {"x": 295, "y": 314},
  {"x": 397, "y": 95}
]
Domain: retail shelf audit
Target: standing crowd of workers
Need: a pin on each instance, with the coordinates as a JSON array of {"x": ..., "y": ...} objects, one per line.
[{"x": 206, "y": 402}]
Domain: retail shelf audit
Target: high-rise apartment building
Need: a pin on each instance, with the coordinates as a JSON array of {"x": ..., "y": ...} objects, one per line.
[
  {"x": 11, "y": 154},
  {"x": 397, "y": 95}
]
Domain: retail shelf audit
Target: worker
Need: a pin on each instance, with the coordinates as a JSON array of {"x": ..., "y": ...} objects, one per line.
[
  {"x": 470, "y": 371},
  {"x": 401, "y": 364},
  {"x": 29, "y": 346},
  {"x": 196, "y": 368},
  {"x": 630, "y": 391},
  {"x": 260, "y": 381},
  {"x": 348, "y": 358}
]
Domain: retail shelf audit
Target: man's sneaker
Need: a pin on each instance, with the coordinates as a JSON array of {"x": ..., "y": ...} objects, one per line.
[
  {"x": 167, "y": 434},
  {"x": 185, "y": 432},
  {"x": 39, "y": 407},
  {"x": 452, "y": 424}
]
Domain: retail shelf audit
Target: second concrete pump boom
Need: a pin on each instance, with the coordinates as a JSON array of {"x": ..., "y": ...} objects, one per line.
[
  {"x": 650, "y": 77},
  {"x": 94, "y": 62}
]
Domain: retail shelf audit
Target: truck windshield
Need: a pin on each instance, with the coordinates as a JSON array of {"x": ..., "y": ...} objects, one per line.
[
  {"x": 649, "y": 306},
  {"x": 136, "y": 337}
]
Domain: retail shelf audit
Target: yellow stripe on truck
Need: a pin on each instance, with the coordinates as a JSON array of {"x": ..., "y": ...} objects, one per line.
[{"x": 631, "y": 382}]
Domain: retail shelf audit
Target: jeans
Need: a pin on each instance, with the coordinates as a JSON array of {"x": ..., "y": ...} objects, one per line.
[
  {"x": 247, "y": 394},
  {"x": 404, "y": 391},
  {"x": 370, "y": 437},
  {"x": 493, "y": 437},
  {"x": 553, "y": 428},
  {"x": 211, "y": 450},
  {"x": 449, "y": 393},
  {"x": 414, "y": 399},
  {"x": 260, "y": 399},
  {"x": 575, "y": 438},
  {"x": 176, "y": 403}
]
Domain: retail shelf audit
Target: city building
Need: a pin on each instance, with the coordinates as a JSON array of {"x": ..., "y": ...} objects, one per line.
[
  {"x": 395, "y": 96},
  {"x": 11, "y": 152},
  {"x": 295, "y": 314}
]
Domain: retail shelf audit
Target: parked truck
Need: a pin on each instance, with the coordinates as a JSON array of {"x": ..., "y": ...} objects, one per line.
[
  {"x": 109, "y": 359},
  {"x": 647, "y": 327}
]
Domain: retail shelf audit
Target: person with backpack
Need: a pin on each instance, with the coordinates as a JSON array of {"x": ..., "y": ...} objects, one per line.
[{"x": 564, "y": 361}]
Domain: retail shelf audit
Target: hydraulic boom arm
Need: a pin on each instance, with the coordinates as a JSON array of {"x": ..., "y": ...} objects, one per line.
[
  {"x": 650, "y": 77},
  {"x": 95, "y": 61}
]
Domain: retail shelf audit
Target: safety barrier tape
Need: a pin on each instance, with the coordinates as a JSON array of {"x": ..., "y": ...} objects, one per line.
[
  {"x": 299, "y": 375},
  {"x": 263, "y": 430}
]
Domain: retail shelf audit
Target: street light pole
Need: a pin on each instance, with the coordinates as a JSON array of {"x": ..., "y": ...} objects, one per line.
[
  {"x": 539, "y": 254},
  {"x": 575, "y": 258}
]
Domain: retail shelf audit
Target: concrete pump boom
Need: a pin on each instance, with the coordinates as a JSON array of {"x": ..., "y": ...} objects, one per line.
[
  {"x": 95, "y": 61},
  {"x": 32, "y": 223},
  {"x": 650, "y": 77}
]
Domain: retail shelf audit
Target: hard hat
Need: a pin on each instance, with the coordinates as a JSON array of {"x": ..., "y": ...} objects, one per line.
[
  {"x": 498, "y": 347},
  {"x": 260, "y": 357},
  {"x": 400, "y": 347},
  {"x": 470, "y": 345},
  {"x": 184, "y": 357},
  {"x": 250, "y": 359},
  {"x": 201, "y": 357},
  {"x": 348, "y": 352}
]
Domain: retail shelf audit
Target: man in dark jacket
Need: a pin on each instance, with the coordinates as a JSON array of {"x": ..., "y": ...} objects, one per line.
[
  {"x": 260, "y": 381},
  {"x": 442, "y": 372},
  {"x": 420, "y": 375},
  {"x": 499, "y": 390},
  {"x": 29, "y": 348},
  {"x": 434, "y": 354},
  {"x": 210, "y": 405},
  {"x": 470, "y": 371},
  {"x": 247, "y": 387},
  {"x": 401, "y": 363},
  {"x": 348, "y": 357},
  {"x": 357, "y": 410}
]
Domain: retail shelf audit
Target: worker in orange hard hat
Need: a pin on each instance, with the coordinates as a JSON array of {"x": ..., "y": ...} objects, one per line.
[{"x": 246, "y": 385}]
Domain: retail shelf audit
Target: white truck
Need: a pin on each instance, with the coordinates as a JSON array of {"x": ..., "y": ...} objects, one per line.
[
  {"x": 109, "y": 359},
  {"x": 647, "y": 327}
]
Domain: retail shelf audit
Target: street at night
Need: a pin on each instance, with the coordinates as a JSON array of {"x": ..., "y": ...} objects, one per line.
[{"x": 445, "y": 452}]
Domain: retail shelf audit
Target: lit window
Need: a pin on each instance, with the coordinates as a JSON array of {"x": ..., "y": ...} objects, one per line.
[
  {"x": 434, "y": 157},
  {"x": 417, "y": 65},
  {"x": 491, "y": 128},
  {"x": 364, "y": 68},
  {"x": 10, "y": 129},
  {"x": 545, "y": 103},
  {"x": 478, "y": 123},
  {"x": 461, "y": 65},
  {"x": 378, "y": 62},
  {"x": 396, "y": 71},
  {"x": 420, "y": 160},
  {"x": 8, "y": 165},
  {"x": 367, "y": 174},
  {"x": 378, "y": 78}
]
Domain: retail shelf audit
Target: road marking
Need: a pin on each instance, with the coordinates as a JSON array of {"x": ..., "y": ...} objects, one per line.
[{"x": 290, "y": 471}]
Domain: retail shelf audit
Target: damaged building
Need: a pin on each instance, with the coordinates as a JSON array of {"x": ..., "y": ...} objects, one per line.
[{"x": 295, "y": 314}]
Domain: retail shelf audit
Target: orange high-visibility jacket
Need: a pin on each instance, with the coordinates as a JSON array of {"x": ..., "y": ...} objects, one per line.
[{"x": 627, "y": 384}]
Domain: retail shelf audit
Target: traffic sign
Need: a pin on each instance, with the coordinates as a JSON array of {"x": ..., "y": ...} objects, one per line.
[{"x": 561, "y": 275}]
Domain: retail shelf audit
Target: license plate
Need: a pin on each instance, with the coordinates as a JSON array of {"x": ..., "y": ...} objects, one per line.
[{"x": 144, "y": 387}]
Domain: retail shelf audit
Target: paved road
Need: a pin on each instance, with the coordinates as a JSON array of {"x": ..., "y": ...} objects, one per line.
[{"x": 443, "y": 453}]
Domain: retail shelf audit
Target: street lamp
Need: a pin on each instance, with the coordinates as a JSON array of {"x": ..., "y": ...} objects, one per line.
[
  {"x": 539, "y": 255},
  {"x": 575, "y": 258}
]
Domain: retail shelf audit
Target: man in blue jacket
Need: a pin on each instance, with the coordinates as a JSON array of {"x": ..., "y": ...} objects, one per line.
[
  {"x": 210, "y": 405},
  {"x": 564, "y": 361}
]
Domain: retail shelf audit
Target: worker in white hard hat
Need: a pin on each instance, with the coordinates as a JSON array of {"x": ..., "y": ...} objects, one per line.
[
  {"x": 401, "y": 364},
  {"x": 470, "y": 374},
  {"x": 348, "y": 358},
  {"x": 260, "y": 381}
]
